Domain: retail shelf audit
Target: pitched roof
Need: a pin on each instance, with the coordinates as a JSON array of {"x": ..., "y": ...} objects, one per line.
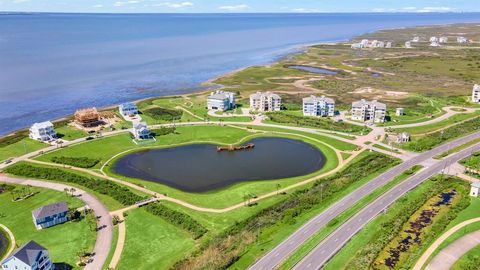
[
  {"x": 49, "y": 210},
  {"x": 221, "y": 95},
  {"x": 42, "y": 125},
  {"x": 28, "y": 252},
  {"x": 476, "y": 184}
]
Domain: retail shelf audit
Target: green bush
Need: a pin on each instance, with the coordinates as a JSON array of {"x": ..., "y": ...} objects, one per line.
[
  {"x": 117, "y": 192},
  {"x": 178, "y": 219},
  {"x": 82, "y": 162},
  {"x": 163, "y": 114}
]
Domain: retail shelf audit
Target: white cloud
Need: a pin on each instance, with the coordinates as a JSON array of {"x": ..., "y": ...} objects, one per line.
[
  {"x": 173, "y": 5},
  {"x": 234, "y": 7},
  {"x": 415, "y": 9},
  {"x": 305, "y": 10},
  {"x": 97, "y": 6},
  {"x": 435, "y": 9},
  {"x": 125, "y": 3}
]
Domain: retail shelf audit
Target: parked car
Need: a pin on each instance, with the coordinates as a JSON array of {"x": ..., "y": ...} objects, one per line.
[{"x": 8, "y": 161}]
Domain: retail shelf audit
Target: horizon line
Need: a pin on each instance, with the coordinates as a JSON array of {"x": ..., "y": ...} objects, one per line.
[{"x": 272, "y": 12}]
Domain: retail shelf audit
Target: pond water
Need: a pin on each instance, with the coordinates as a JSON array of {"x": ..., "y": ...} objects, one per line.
[
  {"x": 314, "y": 69},
  {"x": 200, "y": 168},
  {"x": 3, "y": 243}
]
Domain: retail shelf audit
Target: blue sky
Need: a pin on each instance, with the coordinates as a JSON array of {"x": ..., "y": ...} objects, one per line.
[{"x": 186, "y": 6}]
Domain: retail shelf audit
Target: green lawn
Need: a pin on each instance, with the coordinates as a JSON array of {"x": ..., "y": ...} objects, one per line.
[
  {"x": 20, "y": 148},
  {"x": 63, "y": 241},
  {"x": 152, "y": 243},
  {"x": 70, "y": 133}
]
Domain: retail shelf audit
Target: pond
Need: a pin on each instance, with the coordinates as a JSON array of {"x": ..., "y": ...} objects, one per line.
[
  {"x": 200, "y": 168},
  {"x": 314, "y": 69},
  {"x": 3, "y": 243}
]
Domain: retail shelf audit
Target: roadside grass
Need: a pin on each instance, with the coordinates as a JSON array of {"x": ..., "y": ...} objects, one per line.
[
  {"x": 381, "y": 230},
  {"x": 303, "y": 250},
  {"x": 345, "y": 156},
  {"x": 152, "y": 243},
  {"x": 63, "y": 241},
  {"x": 379, "y": 146},
  {"x": 457, "y": 149},
  {"x": 20, "y": 148},
  {"x": 235, "y": 194}
]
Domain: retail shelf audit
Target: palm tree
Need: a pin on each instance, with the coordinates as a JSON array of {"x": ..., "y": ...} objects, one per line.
[
  {"x": 72, "y": 191},
  {"x": 66, "y": 191}
]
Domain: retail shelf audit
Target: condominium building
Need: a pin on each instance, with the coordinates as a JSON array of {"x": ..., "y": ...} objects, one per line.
[
  {"x": 318, "y": 106},
  {"x": 443, "y": 40},
  {"x": 476, "y": 93},
  {"x": 221, "y": 100},
  {"x": 43, "y": 132},
  {"x": 369, "y": 111},
  {"x": 265, "y": 102}
]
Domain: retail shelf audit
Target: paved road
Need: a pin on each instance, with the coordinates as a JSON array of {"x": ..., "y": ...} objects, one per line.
[
  {"x": 104, "y": 235},
  {"x": 325, "y": 250}
]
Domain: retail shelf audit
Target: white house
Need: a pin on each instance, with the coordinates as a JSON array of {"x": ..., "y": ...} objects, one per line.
[
  {"x": 43, "y": 132},
  {"x": 443, "y": 40},
  {"x": 265, "y": 102},
  {"x": 475, "y": 190},
  {"x": 462, "y": 40},
  {"x": 140, "y": 131},
  {"x": 403, "y": 137},
  {"x": 408, "y": 45},
  {"x": 399, "y": 111},
  {"x": 377, "y": 44},
  {"x": 221, "y": 100},
  {"x": 433, "y": 39},
  {"x": 434, "y": 44},
  {"x": 416, "y": 39},
  {"x": 369, "y": 111},
  {"x": 318, "y": 106},
  {"x": 30, "y": 256},
  {"x": 364, "y": 42},
  {"x": 128, "y": 109},
  {"x": 50, "y": 215},
  {"x": 476, "y": 93},
  {"x": 357, "y": 46},
  {"x": 388, "y": 45}
]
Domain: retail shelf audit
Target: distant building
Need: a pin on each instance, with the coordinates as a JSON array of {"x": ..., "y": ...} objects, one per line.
[
  {"x": 443, "y": 40},
  {"x": 50, "y": 215},
  {"x": 462, "y": 40},
  {"x": 369, "y": 111},
  {"x": 318, "y": 106},
  {"x": 140, "y": 131},
  {"x": 388, "y": 45},
  {"x": 357, "y": 46},
  {"x": 399, "y": 111},
  {"x": 43, "y": 132},
  {"x": 475, "y": 190},
  {"x": 408, "y": 45},
  {"x": 403, "y": 137},
  {"x": 265, "y": 102},
  {"x": 87, "y": 117},
  {"x": 221, "y": 100},
  {"x": 364, "y": 42},
  {"x": 476, "y": 93},
  {"x": 128, "y": 109},
  {"x": 416, "y": 39},
  {"x": 434, "y": 44},
  {"x": 30, "y": 256},
  {"x": 377, "y": 44},
  {"x": 433, "y": 39}
]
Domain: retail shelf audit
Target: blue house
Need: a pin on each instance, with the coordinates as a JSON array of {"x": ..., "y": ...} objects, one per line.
[
  {"x": 30, "y": 256},
  {"x": 128, "y": 109},
  {"x": 50, "y": 215}
]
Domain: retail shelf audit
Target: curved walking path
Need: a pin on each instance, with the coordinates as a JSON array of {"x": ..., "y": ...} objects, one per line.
[
  {"x": 12, "y": 241},
  {"x": 104, "y": 220},
  {"x": 449, "y": 255},
  {"x": 449, "y": 113}
]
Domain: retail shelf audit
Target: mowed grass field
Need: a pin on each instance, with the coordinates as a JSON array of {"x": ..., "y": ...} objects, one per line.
[
  {"x": 20, "y": 148},
  {"x": 63, "y": 241}
]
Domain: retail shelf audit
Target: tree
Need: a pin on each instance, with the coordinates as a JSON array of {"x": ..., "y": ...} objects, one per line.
[
  {"x": 72, "y": 191},
  {"x": 66, "y": 191}
]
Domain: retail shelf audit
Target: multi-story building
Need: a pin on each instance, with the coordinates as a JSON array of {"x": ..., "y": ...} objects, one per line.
[
  {"x": 462, "y": 40},
  {"x": 221, "y": 100},
  {"x": 43, "y": 132},
  {"x": 265, "y": 102},
  {"x": 128, "y": 109},
  {"x": 50, "y": 215},
  {"x": 30, "y": 256},
  {"x": 140, "y": 131},
  {"x": 476, "y": 93},
  {"x": 369, "y": 111},
  {"x": 318, "y": 106},
  {"x": 408, "y": 45},
  {"x": 443, "y": 40},
  {"x": 433, "y": 39},
  {"x": 87, "y": 117}
]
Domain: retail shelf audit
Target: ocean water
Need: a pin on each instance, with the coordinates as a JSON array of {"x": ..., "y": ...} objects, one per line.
[{"x": 52, "y": 64}]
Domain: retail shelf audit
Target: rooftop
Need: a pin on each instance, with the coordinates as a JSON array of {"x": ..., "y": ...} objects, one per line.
[
  {"x": 28, "y": 252},
  {"x": 313, "y": 98},
  {"x": 268, "y": 94},
  {"x": 476, "y": 184},
  {"x": 42, "y": 125},
  {"x": 372, "y": 103},
  {"x": 49, "y": 210}
]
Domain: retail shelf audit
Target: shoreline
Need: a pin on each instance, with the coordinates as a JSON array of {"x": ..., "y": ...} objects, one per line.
[{"x": 209, "y": 84}]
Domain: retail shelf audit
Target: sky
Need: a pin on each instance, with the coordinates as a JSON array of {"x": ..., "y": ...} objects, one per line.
[{"x": 224, "y": 6}]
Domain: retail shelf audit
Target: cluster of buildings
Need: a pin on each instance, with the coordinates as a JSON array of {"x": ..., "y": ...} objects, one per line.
[
  {"x": 33, "y": 256},
  {"x": 365, "y": 43},
  {"x": 139, "y": 129},
  {"x": 435, "y": 41}
]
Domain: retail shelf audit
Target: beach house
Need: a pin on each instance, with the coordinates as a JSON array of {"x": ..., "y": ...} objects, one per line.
[
  {"x": 388, "y": 44},
  {"x": 50, "y": 215},
  {"x": 128, "y": 109},
  {"x": 43, "y": 132},
  {"x": 30, "y": 256},
  {"x": 87, "y": 117},
  {"x": 433, "y": 39},
  {"x": 408, "y": 45},
  {"x": 369, "y": 111},
  {"x": 462, "y": 40},
  {"x": 221, "y": 101},
  {"x": 443, "y": 40},
  {"x": 403, "y": 137},
  {"x": 265, "y": 102},
  {"x": 416, "y": 39},
  {"x": 318, "y": 106},
  {"x": 476, "y": 93},
  {"x": 475, "y": 189},
  {"x": 357, "y": 46},
  {"x": 140, "y": 131},
  {"x": 364, "y": 42}
]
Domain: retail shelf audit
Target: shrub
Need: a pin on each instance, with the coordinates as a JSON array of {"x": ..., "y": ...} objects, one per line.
[
  {"x": 82, "y": 162},
  {"x": 116, "y": 191},
  {"x": 177, "y": 218}
]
